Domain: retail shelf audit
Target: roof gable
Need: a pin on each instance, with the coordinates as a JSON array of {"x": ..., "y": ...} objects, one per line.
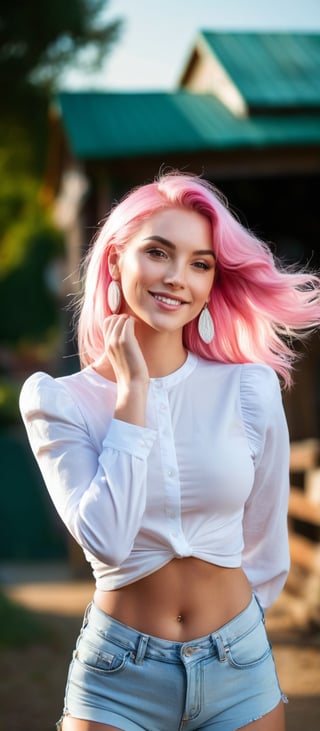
[{"x": 269, "y": 70}]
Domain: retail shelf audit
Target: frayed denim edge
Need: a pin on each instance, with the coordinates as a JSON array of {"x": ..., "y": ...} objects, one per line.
[
  {"x": 284, "y": 700},
  {"x": 60, "y": 722}
]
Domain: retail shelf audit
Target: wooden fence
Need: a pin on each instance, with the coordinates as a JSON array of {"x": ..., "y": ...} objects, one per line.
[{"x": 304, "y": 525}]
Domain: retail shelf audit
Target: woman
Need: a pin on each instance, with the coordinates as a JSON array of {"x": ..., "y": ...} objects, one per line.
[{"x": 167, "y": 458}]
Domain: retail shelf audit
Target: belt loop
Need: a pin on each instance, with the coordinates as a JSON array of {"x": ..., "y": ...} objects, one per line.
[
  {"x": 141, "y": 650},
  {"x": 221, "y": 649},
  {"x": 86, "y": 616},
  {"x": 261, "y": 609}
]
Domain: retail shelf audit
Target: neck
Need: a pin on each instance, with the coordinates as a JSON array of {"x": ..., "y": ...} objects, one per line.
[{"x": 163, "y": 352}]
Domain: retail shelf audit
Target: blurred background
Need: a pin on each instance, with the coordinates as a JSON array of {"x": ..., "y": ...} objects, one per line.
[{"x": 97, "y": 96}]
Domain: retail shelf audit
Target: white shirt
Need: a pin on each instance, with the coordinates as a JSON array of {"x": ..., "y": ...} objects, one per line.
[{"x": 207, "y": 477}]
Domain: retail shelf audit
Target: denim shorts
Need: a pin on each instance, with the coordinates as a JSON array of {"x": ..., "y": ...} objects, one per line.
[{"x": 136, "y": 682}]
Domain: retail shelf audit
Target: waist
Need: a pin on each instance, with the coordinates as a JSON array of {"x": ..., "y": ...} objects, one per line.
[
  {"x": 143, "y": 644},
  {"x": 186, "y": 598}
]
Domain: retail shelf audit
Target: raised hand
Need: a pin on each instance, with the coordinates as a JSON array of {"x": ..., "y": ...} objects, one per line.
[{"x": 123, "y": 353}]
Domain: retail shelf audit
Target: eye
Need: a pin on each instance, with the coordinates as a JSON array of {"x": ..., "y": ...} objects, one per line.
[
  {"x": 202, "y": 265},
  {"x": 157, "y": 253}
]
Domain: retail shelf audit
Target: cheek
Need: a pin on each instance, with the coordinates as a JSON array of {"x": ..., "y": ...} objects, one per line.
[
  {"x": 137, "y": 274},
  {"x": 202, "y": 289},
  {"x": 210, "y": 284},
  {"x": 134, "y": 280}
]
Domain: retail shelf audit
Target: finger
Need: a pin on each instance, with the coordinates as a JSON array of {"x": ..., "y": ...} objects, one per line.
[
  {"x": 113, "y": 325},
  {"x": 128, "y": 326},
  {"x": 123, "y": 331}
]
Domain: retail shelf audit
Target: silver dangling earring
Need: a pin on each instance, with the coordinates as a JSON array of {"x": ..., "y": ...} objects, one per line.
[
  {"x": 114, "y": 296},
  {"x": 206, "y": 325}
]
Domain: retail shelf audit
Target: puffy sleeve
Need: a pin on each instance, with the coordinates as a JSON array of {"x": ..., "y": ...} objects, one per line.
[
  {"x": 100, "y": 496},
  {"x": 266, "y": 549}
]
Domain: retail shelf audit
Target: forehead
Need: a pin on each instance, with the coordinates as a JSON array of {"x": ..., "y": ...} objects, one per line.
[{"x": 179, "y": 225}]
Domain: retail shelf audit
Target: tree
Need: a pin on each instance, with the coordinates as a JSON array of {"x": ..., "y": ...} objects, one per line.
[{"x": 38, "y": 40}]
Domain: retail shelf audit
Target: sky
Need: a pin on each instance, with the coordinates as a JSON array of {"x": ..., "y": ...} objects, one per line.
[{"x": 158, "y": 35}]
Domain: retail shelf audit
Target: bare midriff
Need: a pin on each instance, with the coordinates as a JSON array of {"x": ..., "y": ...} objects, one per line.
[{"x": 186, "y": 599}]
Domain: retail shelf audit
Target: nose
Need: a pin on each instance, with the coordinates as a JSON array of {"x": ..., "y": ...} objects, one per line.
[{"x": 175, "y": 276}]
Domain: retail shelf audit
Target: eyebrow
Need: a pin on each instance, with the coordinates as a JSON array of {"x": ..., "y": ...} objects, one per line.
[{"x": 170, "y": 245}]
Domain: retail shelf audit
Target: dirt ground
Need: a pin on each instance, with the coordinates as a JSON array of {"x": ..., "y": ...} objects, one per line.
[{"x": 33, "y": 679}]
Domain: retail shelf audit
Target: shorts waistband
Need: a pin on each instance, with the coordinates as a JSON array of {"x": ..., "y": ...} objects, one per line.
[{"x": 142, "y": 644}]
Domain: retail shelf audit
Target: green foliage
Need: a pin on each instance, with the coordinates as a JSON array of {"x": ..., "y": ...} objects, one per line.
[
  {"x": 29, "y": 248},
  {"x": 20, "y": 627},
  {"x": 9, "y": 400},
  {"x": 39, "y": 38},
  {"x": 23, "y": 137}
]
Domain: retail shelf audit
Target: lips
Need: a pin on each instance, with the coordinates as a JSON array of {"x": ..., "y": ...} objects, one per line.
[{"x": 174, "y": 301}]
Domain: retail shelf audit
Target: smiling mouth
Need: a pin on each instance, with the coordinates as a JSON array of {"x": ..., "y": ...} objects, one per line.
[{"x": 167, "y": 300}]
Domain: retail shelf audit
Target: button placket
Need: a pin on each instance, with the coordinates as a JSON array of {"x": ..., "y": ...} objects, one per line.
[
  {"x": 168, "y": 459},
  {"x": 170, "y": 470}
]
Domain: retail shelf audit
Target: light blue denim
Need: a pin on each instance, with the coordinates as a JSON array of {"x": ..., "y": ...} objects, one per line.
[{"x": 135, "y": 682}]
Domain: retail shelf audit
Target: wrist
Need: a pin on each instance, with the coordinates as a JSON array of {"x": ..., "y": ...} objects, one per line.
[{"x": 131, "y": 402}]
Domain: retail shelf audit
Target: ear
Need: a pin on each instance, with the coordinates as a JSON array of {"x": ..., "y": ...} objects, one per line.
[{"x": 113, "y": 262}]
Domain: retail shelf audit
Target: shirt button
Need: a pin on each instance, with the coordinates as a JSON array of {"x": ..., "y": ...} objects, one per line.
[
  {"x": 171, "y": 473},
  {"x": 174, "y": 533}
]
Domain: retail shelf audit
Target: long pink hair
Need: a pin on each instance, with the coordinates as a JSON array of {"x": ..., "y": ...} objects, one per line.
[{"x": 258, "y": 306}]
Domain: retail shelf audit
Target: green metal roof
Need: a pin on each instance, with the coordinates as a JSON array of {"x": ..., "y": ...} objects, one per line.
[
  {"x": 271, "y": 69},
  {"x": 117, "y": 125}
]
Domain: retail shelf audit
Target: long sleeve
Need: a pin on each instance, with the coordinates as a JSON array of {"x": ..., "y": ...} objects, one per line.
[
  {"x": 266, "y": 550},
  {"x": 100, "y": 494}
]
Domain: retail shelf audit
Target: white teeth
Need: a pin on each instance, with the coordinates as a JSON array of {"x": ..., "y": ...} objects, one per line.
[{"x": 167, "y": 300}]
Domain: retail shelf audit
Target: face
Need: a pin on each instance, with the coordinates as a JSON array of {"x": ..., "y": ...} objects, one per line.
[{"x": 167, "y": 270}]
